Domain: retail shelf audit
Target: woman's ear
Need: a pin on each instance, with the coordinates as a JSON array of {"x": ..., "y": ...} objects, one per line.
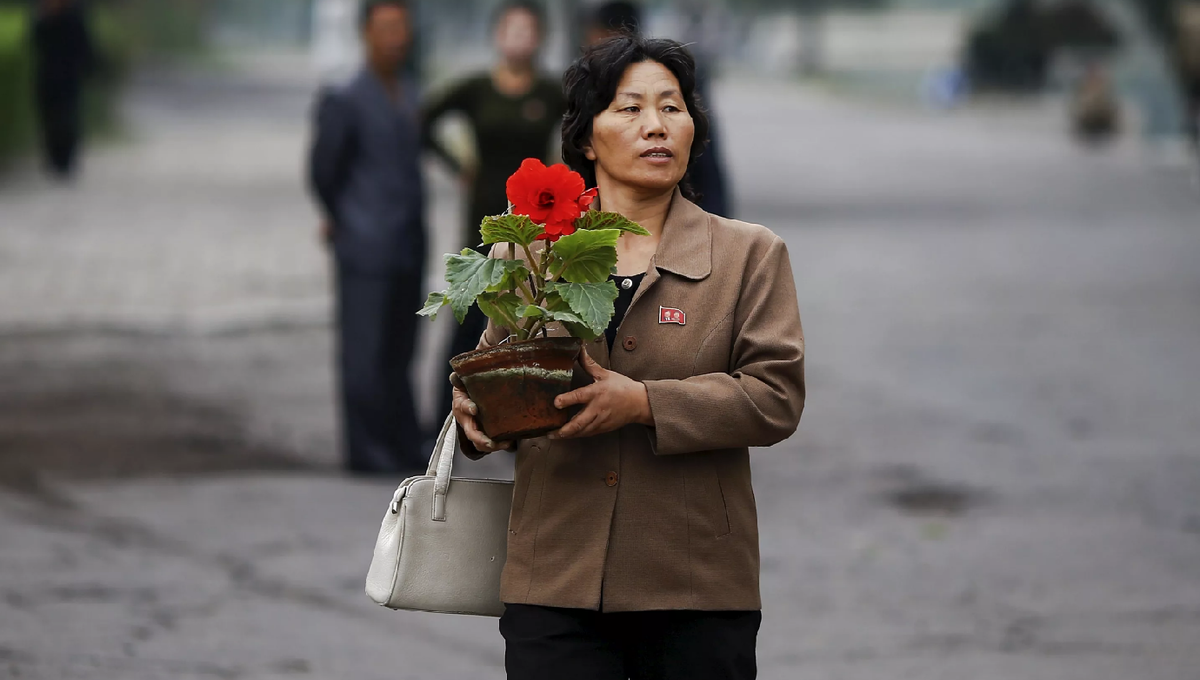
[{"x": 589, "y": 153}]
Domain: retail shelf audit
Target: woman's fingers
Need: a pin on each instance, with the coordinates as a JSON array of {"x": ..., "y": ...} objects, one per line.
[
  {"x": 480, "y": 440},
  {"x": 465, "y": 411},
  {"x": 582, "y": 395},
  {"x": 460, "y": 402},
  {"x": 582, "y": 425}
]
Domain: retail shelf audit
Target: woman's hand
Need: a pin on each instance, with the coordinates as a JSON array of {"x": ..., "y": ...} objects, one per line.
[
  {"x": 610, "y": 403},
  {"x": 465, "y": 411}
]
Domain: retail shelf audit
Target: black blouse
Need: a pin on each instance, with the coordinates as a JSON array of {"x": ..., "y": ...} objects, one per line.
[{"x": 626, "y": 287}]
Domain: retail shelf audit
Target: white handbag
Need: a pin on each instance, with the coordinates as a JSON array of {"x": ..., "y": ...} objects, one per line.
[{"x": 443, "y": 541}]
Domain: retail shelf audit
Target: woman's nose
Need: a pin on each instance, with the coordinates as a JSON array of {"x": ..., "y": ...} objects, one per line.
[{"x": 654, "y": 125}]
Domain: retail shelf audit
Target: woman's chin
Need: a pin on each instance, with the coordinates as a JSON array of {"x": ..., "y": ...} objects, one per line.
[{"x": 661, "y": 181}]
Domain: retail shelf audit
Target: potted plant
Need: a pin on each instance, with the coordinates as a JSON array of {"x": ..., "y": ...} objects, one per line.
[{"x": 550, "y": 264}]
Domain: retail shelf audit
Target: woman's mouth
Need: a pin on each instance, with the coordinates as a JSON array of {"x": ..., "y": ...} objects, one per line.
[{"x": 658, "y": 154}]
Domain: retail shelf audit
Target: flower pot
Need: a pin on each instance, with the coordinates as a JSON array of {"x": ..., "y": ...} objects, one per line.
[{"x": 514, "y": 385}]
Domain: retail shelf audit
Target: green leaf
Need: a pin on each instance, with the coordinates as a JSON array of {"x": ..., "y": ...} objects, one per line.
[
  {"x": 501, "y": 308},
  {"x": 532, "y": 312},
  {"x": 518, "y": 229},
  {"x": 586, "y": 256},
  {"x": 557, "y": 309},
  {"x": 592, "y": 302},
  {"x": 511, "y": 279},
  {"x": 596, "y": 219},
  {"x": 434, "y": 304},
  {"x": 564, "y": 314},
  {"x": 469, "y": 274}
]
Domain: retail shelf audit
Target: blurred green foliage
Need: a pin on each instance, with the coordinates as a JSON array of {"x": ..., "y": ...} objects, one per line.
[{"x": 16, "y": 110}]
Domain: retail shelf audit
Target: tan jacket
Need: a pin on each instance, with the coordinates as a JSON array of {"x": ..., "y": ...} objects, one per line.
[{"x": 664, "y": 518}]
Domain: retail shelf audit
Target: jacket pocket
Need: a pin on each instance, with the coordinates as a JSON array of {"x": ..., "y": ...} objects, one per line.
[
  {"x": 725, "y": 527},
  {"x": 707, "y": 512}
]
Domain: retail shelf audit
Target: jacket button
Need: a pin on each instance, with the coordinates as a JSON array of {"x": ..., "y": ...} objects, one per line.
[
  {"x": 630, "y": 343},
  {"x": 611, "y": 479}
]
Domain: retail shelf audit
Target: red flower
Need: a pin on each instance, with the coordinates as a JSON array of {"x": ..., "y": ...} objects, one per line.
[
  {"x": 586, "y": 198},
  {"x": 556, "y": 230},
  {"x": 549, "y": 195}
]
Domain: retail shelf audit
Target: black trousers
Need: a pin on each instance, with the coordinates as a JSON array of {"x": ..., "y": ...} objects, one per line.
[
  {"x": 377, "y": 333},
  {"x": 59, "y": 116},
  {"x": 547, "y": 643}
]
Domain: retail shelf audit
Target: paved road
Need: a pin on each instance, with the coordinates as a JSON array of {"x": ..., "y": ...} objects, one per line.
[{"x": 996, "y": 477}]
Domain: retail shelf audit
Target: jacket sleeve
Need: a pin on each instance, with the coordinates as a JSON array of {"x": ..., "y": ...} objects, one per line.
[
  {"x": 759, "y": 401},
  {"x": 331, "y": 153},
  {"x": 455, "y": 100}
]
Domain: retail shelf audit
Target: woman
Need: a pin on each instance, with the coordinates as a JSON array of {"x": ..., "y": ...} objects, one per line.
[
  {"x": 633, "y": 538},
  {"x": 513, "y": 112}
]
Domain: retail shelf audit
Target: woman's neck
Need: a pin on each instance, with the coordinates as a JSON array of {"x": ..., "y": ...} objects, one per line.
[{"x": 647, "y": 209}]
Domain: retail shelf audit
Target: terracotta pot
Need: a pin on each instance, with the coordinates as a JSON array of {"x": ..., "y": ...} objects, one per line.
[{"x": 514, "y": 385}]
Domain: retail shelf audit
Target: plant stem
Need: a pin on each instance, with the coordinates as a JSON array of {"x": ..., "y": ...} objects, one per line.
[
  {"x": 540, "y": 324},
  {"x": 533, "y": 264},
  {"x": 529, "y": 297},
  {"x": 512, "y": 255}
]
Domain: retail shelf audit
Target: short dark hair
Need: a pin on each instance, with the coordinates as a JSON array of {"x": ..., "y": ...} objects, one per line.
[
  {"x": 366, "y": 10},
  {"x": 534, "y": 8},
  {"x": 590, "y": 84},
  {"x": 623, "y": 17}
]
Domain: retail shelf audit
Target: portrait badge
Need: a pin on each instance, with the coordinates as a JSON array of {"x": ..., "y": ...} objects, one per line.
[{"x": 672, "y": 315}]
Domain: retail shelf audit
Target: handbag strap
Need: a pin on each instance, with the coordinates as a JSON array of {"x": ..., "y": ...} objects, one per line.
[{"x": 441, "y": 463}]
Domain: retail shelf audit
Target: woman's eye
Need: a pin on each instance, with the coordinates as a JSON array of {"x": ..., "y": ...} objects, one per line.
[
  {"x": 633, "y": 109},
  {"x": 671, "y": 108}
]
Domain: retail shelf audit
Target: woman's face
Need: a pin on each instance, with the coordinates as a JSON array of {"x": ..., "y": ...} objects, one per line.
[
  {"x": 644, "y": 137},
  {"x": 518, "y": 35}
]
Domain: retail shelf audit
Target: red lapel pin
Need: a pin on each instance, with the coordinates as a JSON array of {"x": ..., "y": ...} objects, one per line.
[{"x": 671, "y": 315}]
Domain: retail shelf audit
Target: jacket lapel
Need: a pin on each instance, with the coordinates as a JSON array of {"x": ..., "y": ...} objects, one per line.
[{"x": 685, "y": 248}]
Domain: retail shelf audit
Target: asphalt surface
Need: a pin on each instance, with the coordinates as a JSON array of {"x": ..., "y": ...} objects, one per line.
[{"x": 997, "y": 475}]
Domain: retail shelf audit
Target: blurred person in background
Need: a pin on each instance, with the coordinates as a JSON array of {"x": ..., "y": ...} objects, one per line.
[
  {"x": 364, "y": 168},
  {"x": 62, "y": 57},
  {"x": 1095, "y": 111},
  {"x": 611, "y": 19},
  {"x": 1188, "y": 49},
  {"x": 706, "y": 176},
  {"x": 514, "y": 112}
]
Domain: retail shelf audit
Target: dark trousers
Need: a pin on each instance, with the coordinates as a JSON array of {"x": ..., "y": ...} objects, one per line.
[
  {"x": 58, "y": 113},
  {"x": 377, "y": 332},
  {"x": 546, "y": 643}
]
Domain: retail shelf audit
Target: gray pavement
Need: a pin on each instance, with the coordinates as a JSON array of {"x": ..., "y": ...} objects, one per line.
[{"x": 997, "y": 476}]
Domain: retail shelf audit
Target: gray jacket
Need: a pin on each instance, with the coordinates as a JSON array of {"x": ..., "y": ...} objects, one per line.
[{"x": 364, "y": 168}]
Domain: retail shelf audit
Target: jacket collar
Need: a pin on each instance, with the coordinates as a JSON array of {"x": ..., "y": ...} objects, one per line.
[
  {"x": 366, "y": 82},
  {"x": 685, "y": 247}
]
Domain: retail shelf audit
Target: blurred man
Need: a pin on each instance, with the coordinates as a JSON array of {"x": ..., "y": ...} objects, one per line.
[
  {"x": 364, "y": 171},
  {"x": 706, "y": 174},
  {"x": 1188, "y": 49},
  {"x": 62, "y": 57},
  {"x": 610, "y": 19}
]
